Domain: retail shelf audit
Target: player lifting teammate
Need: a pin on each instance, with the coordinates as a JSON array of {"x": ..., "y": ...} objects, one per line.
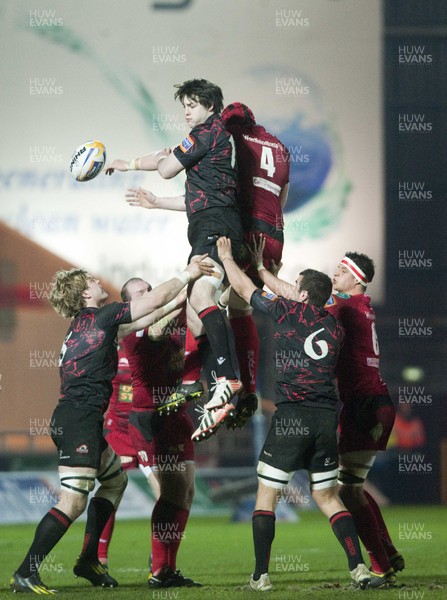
[
  {"x": 305, "y": 396},
  {"x": 88, "y": 363}
]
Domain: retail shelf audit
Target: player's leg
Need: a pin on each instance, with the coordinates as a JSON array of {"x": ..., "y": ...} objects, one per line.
[
  {"x": 247, "y": 349},
  {"x": 128, "y": 463},
  {"x": 113, "y": 482},
  {"x": 175, "y": 472},
  {"x": 76, "y": 483},
  {"x": 365, "y": 427},
  {"x": 202, "y": 299},
  {"x": 271, "y": 482},
  {"x": 323, "y": 473},
  {"x": 70, "y": 428},
  {"x": 342, "y": 524},
  {"x": 354, "y": 468},
  {"x": 396, "y": 559}
]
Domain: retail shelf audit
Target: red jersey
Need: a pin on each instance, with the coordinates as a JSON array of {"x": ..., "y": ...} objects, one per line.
[
  {"x": 263, "y": 168},
  {"x": 358, "y": 362},
  {"x": 156, "y": 365},
  {"x": 121, "y": 399}
]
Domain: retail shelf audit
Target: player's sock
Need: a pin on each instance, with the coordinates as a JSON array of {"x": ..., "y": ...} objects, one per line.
[
  {"x": 48, "y": 532},
  {"x": 104, "y": 540},
  {"x": 369, "y": 532},
  {"x": 179, "y": 524},
  {"x": 218, "y": 336},
  {"x": 263, "y": 525},
  {"x": 343, "y": 527},
  {"x": 247, "y": 349},
  {"x": 208, "y": 362},
  {"x": 191, "y": 371},
  {"x": 98, "y": 513},
  {"x": 390, "y": 548},
  {"x": 163, "y": 532}
]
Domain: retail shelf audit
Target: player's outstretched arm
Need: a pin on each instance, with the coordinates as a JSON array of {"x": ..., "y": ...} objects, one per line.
[
  {"x": 241, "y": 284},
  {"x": 164, "y": 293},
  {"x": 149, "y": 162},
  {"x": 157, "y": 318},
  {"x": 146, "y": 199},
  {"x": 277, "y": 285}
]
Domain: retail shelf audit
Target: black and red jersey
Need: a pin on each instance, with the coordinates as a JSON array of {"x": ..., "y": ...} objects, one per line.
[
  {"x": 307, "y": 344},
  {"x": 358, "y": 364},
  {"x": 156, "y": 365},
  {"x": 263, "y": 165},
  {"x": 88, "y": 359},
  {"x": 206, "y": 154}
]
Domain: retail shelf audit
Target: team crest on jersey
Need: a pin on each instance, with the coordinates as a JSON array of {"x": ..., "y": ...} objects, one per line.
[
  {"x": 330, "y": 301},
  {"x": 269, "y": 295},
  {"x": 82, "y": 449},
  {"x": 187, "y": 143}
]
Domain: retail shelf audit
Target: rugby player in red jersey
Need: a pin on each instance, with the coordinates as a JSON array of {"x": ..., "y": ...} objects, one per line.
[
  {"x": 211, "y": 206},
  {"x": 162, "y": 443},
  {"x": 303, "y": 430},
  {"x": 367, "y": 414},
  {"x": 117, "y": 435},
  {"x": 88, "y": 363}
]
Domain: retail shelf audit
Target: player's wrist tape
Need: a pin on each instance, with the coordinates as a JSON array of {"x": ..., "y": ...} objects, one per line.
[
  {"x": 185, "y": 277},
  {"x": 133, "y": 165},
  {"x": 260, "y": 267},
  {"x": 169, "y": 307}
]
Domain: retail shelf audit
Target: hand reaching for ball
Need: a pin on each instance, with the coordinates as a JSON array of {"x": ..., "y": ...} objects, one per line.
[{"x": 141, "y": 197}]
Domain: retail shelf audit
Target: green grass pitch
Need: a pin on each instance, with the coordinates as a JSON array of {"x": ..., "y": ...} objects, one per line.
[{"x": 306, "y": 560}]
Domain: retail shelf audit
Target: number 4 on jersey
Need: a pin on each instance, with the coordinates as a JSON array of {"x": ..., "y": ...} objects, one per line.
[{"x": 267, "y": 161}]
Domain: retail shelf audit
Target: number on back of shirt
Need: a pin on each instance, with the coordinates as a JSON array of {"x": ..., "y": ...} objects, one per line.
[
  {"x": 375, "y": 339},
  {"x": 267, "y": 161},
  {"x": 322, "y": 345}
]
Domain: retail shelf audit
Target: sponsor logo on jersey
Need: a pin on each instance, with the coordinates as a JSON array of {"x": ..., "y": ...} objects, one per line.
[
  {"x": 269, "y": 295},
  {"x": 82, "y": 449},
  {"x": 187, "y": 143},
  {"x": 143, "y": 456},
  {"x": 331, "y": 301}
]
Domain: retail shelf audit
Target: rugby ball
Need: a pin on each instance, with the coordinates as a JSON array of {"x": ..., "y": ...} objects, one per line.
[{"x": 88, "y": 160}]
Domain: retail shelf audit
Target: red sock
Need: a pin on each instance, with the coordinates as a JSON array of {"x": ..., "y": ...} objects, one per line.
[
  {"x": 247, "y": 349},
  {"x": 167, "y": 527},
  {"x": 368, "y": 531},
  {"x": 180, "y": 519},
  {"x": 104, "y": 540},
  {"x": 390, "y": 548},
  {"x": 192, "y": 368}
]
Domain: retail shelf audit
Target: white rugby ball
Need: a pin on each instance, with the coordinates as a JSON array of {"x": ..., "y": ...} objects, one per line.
[{"x": 88, "y": 160}]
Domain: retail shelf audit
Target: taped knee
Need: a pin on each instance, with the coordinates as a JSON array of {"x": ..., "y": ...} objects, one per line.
[
  {"x": 345, "y": 477},
  {"x": 271, "y": 477},
  {"x": 77, "y": 483},
  {"x": 216, "y": 278},
  {"x": 354, "y": 467},
  {"x": 113, "y": 482},
  {"x": 323, "y": 480}
]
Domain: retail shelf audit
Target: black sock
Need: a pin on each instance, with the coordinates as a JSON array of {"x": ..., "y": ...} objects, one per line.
[
  {"x": 207, "y": 359},
  {"x": 49, "y": 531},
  {"x": 343, "y": 527},
  {"x": 219, "y": 339},
  {"x": 263, "y": 525},
  {"x": 98, "y": 513}
]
